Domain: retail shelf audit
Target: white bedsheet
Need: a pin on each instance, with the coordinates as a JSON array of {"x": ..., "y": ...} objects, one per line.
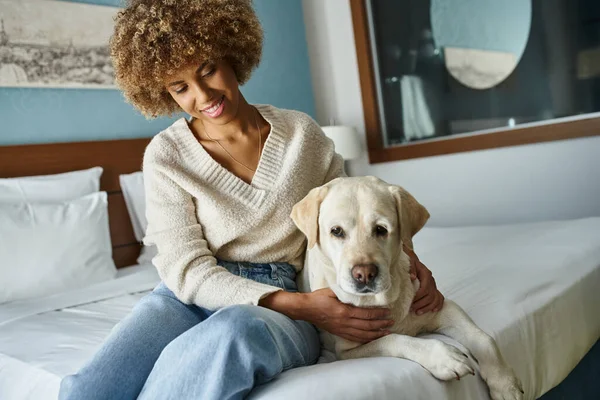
[
  {"x": 39, "y": 345},
  {"x": 534, "y": 287}
]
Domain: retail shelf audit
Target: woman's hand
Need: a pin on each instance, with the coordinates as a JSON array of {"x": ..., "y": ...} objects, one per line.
[
  {"x": 428, "y": 297},
  {"x": 357, "y": 324},
  {"x": 323, "y": 309}
]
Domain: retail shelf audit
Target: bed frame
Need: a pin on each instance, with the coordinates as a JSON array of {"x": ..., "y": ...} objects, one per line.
[{"x": 115, "y": 156}]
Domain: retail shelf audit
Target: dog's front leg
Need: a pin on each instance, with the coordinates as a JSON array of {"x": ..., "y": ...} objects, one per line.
[
  {"x": 454, "y": 322},
  {"x": 445, "y": 362}
]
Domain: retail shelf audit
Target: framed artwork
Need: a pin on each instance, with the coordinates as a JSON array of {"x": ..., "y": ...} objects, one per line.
[{"x": 47, "y": 43}]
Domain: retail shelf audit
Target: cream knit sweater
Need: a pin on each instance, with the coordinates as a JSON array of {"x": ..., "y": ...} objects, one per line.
[{"x": 197, "y": 210}]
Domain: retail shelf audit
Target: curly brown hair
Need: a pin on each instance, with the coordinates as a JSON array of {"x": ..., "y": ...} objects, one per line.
[{"x": 155, "y": 38}]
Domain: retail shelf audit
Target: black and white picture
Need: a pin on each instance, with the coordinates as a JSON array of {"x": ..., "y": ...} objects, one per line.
[{"x": 47, "y": 43}]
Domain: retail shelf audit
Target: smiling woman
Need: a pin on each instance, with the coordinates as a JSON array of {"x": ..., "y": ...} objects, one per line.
[
  {"x": 223, "y": 233},
  {"x": 218, "y": 211},
  {"x": 210, "y": 95},
  {"x": 206, "y": 90},
  {"x": 175, "y": 37}
]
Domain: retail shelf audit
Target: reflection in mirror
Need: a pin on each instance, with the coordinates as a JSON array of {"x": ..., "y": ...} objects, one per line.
[
  {"x": 482, "y": 40},
  {"x": 552, "y": 48},
  {"x": 479, "y": 69}
]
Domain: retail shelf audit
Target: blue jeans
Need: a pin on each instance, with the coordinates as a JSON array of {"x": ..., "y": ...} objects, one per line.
[{"x": 165, "y": 349}]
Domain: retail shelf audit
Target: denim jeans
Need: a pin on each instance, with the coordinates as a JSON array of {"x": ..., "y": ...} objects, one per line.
[{"x": 165, "y": 349}]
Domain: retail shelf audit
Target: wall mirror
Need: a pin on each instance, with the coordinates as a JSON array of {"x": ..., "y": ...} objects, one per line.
[{"x": 445, "y": 76}]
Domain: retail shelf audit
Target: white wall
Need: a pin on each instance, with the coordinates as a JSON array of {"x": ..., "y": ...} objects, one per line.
[{"x": 553, "y": 180}]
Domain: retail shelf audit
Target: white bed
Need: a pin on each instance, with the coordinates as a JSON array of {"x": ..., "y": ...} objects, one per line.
[{"x": 534, "y": 287}]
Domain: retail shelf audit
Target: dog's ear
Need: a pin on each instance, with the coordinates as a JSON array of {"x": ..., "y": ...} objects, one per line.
[
  {"x": 305, "y": 214},
  {"x": 411, "y": 214}
]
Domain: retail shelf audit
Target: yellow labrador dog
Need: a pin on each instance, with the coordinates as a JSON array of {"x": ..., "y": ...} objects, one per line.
[{"x": 355, "y": 229}]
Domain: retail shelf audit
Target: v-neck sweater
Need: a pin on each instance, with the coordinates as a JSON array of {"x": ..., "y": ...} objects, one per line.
[{"x": 198, "y": 211}]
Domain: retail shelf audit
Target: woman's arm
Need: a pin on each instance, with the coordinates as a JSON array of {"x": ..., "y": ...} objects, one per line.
[{"x": 323, "y": 309}]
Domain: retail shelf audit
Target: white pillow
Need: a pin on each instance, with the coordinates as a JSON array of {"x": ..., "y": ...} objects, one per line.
[
  {"x": 49, "y": 248},
  {"x": 50, "y": 188},
  {"x": 132, "y": 186}
]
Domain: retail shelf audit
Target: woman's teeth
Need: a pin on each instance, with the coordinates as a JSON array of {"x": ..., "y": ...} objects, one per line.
[{"x": 215, "y": 107}]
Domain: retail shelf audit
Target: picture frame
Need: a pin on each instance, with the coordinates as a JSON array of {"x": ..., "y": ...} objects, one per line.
[{"x": 55, "y": 44}]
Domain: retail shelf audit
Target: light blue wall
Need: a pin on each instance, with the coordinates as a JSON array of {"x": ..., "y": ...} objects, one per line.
[{"x": 63, "y": 115}]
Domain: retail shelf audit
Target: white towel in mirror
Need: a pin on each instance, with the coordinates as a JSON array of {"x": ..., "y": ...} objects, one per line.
[{"x": 416, "y": 119}]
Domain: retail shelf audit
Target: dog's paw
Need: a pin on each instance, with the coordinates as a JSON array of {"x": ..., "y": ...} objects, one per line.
[
  {"x": 504, "y": 384},
  {"x": 446, "y": 362}
]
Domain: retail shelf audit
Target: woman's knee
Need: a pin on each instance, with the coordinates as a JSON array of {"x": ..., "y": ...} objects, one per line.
[
  {"x": 242, "y": 315},
  {"x": 233, "y": 325},
  {"x": 166, "y": 310},
  {"x": 267, "y": 335},
  {"x": 245, "y": 323},
  {"x": 272, "y": 341}
]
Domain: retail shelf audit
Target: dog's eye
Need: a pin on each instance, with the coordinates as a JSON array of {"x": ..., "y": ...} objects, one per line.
[
  {"x": 380, "y": 230},
  {"x": 337, "y": 232}
]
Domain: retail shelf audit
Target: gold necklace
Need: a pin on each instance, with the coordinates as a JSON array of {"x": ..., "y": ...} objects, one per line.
[{"x": 229, "y": 154}]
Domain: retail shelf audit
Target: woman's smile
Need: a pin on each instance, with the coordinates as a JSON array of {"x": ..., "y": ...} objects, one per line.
[{"x": 215, "y": 110}]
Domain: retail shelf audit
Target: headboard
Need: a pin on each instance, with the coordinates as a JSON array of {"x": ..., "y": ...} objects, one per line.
[{"x": 115, "y": 156}]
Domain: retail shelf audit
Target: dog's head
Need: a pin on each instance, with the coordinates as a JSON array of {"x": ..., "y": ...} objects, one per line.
[{"x": 359, "y": 224}]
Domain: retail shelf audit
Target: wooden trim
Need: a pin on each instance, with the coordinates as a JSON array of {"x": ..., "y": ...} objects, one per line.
[
  {"x": 378, "y": 153},
  {"x": 116, "y": 157},
  {"x": 121, "y": 231},
  {"x": 367, "y": 77},
  {"x": 513, "y": 137}
]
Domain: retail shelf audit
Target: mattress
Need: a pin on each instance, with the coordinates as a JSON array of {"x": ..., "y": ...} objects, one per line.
[{"x": 533, "y": 287}]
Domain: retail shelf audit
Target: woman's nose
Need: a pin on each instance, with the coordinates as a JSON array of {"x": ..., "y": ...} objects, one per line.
[{"x": 202, "y": 96}]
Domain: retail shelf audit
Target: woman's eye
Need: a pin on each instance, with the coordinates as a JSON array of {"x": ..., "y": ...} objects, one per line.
[
  {"x": 381, "y": 230},
  {"x": 337, "y": 232},
  {"x": 181, "y": 90},
  {"x": 209, "y": 72}
]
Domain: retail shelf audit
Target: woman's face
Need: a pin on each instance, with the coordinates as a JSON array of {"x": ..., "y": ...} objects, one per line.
[{"x": 207, "y": 91}]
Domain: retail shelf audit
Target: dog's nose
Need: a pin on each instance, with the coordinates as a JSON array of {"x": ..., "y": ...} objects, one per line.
[{"x": 364, "y": 273}]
